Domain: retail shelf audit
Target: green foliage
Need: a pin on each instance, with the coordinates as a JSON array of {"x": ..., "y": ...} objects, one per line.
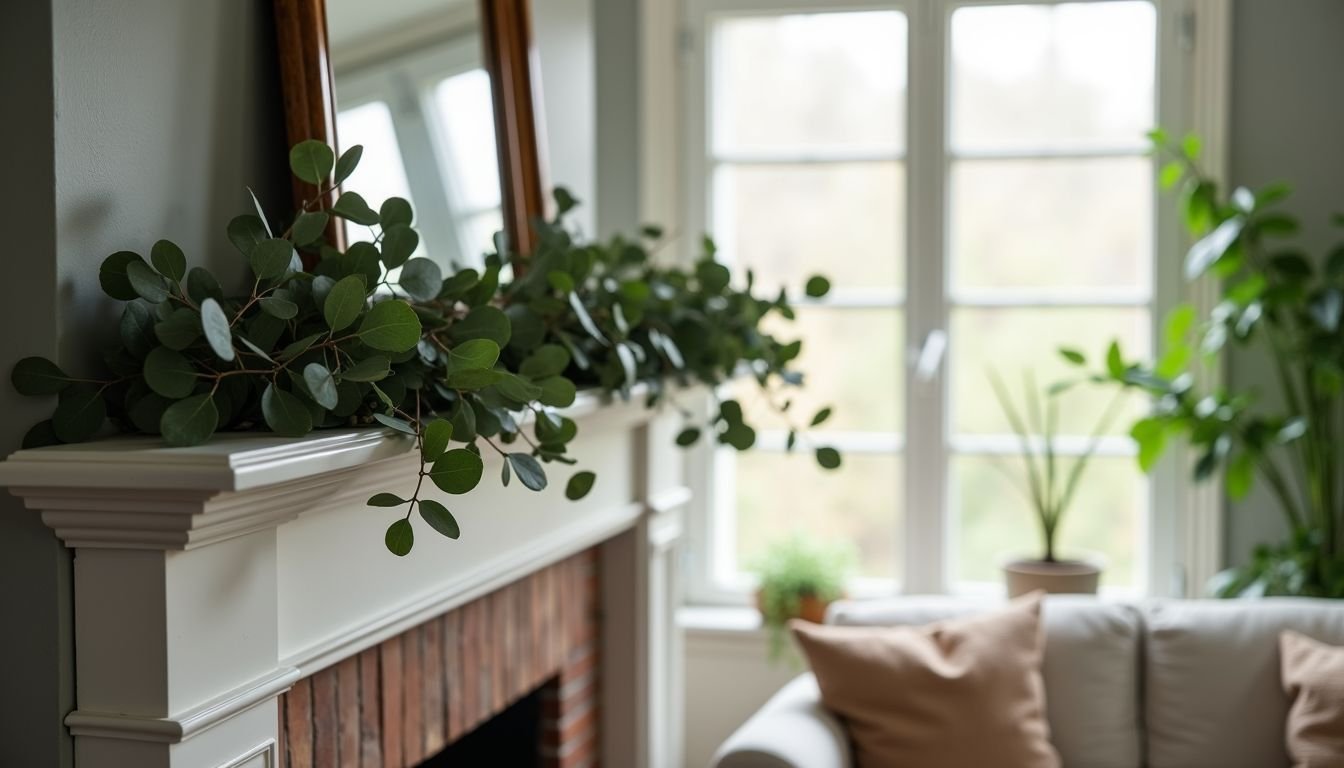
[
  {"x": 1274, "y": 299},
  {"x": 1035, "y": 422},
  {"x": 458, "y": 364},
  {"x": 791, "y": 569}
]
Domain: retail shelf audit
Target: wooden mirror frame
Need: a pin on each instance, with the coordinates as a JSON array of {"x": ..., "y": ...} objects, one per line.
[{"x": 309, "y": 94}]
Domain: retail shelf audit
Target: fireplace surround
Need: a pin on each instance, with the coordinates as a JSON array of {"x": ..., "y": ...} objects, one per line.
[{"x": 214, "y": 585}]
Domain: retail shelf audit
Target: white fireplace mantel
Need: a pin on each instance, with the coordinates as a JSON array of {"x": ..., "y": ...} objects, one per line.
[{"x": 209, "y": 579}]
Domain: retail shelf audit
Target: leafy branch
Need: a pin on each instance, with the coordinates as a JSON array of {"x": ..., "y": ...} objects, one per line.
[{"x": 449, "y": 362}]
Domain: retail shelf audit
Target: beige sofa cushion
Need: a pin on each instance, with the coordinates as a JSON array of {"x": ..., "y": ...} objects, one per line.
[
  {"x": 1313, "y": 678},
  {"x": 960, "y": 692},
  {"x": 1212, "y": 689},
  {"x": 1091, "y": 668}
]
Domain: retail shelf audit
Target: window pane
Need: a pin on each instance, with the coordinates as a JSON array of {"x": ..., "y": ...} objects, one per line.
[
  {"x": 809, "y": 81},
  {"x": 380, "y": 174},
  {"x": 1052, "y": 224},
  {"x": 1043, "y": 75},
  {"x": 786, "y": 222},
  {"x": 850, "y": 361},
  {"x": 994, "y": 522},
  {"x": 859, "y": 503},
  {"x": 467, "y": 117},
  {"x": 1018, "y": 340}
]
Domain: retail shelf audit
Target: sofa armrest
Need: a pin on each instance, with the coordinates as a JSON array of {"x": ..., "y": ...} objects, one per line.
[{"x": 792, "y": 730}]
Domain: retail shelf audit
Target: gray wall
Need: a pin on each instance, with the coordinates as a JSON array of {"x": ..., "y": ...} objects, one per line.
[
  {"x": 1287, "y": 125},
  {"x": 140, "y": 119}
]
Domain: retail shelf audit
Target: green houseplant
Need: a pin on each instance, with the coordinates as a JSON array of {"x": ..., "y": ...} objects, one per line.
[
  {"x": 1273, "y": 299},
  {"x": 1045, "y": 484},
  {"x": 798, "y": 577},
  {"x": 458, "y": 364}
]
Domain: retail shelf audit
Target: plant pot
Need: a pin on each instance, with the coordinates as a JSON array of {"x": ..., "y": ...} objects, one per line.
[
  {"x": 810, "y": 608},
  {"x": 1070, "y": 577}
]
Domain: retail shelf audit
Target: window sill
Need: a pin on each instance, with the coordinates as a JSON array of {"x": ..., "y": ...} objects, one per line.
[{"x": 721, "y": 621}]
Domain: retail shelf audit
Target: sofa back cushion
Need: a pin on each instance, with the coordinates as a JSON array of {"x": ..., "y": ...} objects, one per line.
[
  {"x": 1213, "y": 697},
  {"x": 1091, "y": 668}
]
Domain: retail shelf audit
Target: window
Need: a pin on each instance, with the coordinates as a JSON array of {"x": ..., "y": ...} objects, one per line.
[
  {"x": 428, "y": 115},
  {"x": 973, "y": 178}
]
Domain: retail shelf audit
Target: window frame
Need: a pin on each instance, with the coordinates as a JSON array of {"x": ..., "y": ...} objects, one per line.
[{"x": 1181, "y": 541}]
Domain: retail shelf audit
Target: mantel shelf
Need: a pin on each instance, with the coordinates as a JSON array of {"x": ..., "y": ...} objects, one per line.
[{"x": 236, "y": 461}]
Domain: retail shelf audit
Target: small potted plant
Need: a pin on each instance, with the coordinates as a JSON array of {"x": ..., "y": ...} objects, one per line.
[
  {"x": 1048, "y": 489},
  {"x": 798, "y": 578}
]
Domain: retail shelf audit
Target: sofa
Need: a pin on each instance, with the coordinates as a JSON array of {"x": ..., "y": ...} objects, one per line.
[{"x": 1160, "y": 683}]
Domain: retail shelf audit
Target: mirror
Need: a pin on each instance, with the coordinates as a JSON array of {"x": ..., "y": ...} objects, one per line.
[
  {"x": 439, "y": 94},
  {"x": 410, "y": 85}
]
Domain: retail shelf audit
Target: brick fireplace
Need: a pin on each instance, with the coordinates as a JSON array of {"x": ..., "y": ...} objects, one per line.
[{"x": 402, "y": 702}]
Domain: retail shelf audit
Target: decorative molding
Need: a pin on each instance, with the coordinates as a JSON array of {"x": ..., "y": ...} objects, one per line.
[
  {"x": 172, "y": 730},
  {"x": 267, "y": 751}
]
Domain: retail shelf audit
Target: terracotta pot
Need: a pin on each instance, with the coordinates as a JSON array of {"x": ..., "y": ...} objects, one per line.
[
  {"x": 810, "y": 608},
  {"x": 1073, "y": 577}
]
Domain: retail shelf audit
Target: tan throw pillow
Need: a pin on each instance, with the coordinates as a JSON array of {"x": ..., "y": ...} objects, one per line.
[
  {"x": 1313, "y": 677},
  {"x": 957, "y": 693}
]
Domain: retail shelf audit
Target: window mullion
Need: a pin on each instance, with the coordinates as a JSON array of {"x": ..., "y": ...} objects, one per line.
[{"x": 926, "y": 460}]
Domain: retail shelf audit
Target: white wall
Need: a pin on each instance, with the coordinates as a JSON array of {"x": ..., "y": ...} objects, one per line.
[
  {"x": 1287, "y": 125},
  {"x": 728, "y": 677},
  {"x": 125, "y": 122}
]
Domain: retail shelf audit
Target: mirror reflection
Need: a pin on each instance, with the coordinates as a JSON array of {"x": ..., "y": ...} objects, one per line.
[{"x": 411, "y": 87}]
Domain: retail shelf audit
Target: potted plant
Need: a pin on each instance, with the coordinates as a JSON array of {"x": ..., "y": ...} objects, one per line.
[
  {"x": 1289, "y": 307},
  {"x": 798, "y": 578},
  {"x": 1048, "y": 489}
]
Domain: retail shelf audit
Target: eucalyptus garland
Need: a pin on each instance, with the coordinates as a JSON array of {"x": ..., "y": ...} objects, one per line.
[{"x": 460, "y": 364}]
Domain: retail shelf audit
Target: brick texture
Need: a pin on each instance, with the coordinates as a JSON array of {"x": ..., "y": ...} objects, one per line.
[{"x": 399, "y": 703}]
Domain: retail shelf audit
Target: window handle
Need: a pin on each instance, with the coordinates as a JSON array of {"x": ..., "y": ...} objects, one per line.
[{"x": 931, "y": 355}]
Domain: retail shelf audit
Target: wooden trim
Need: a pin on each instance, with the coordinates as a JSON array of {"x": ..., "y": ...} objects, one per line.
[
  {"x": 310, "y": 104},
  {"x": 307, "y": 88},
  {"x": 506, "y": 26}
]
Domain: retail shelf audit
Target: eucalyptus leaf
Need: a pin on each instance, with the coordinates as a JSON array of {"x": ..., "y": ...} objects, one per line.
[
  {"x": 421, "y": 279},
  {"x": 434, "y": 441},
  {"x": 309, "y": 227},
  {"x": 284, "y": 413},
  {"x": 270, "y": 258},
  {"x": 189, "y": 422},
  {"x": 457, "y": 471},
  {"x": 344, "y": 303},
  {"x": 169, "y": 260},
  {"x": 375, "y": 368},
  {"x": 580, "y": 483},
  {"x": 215, "y": 325},
  {"x": 351, "y": 206},
  {"x": 400, "y": 538},
  {"x": 113, "y": 278},
  {"x": 473, "y": 354},
  {"x": 528, "y": 470},
  {"x": 169, "y": 373},
  {"x": 386, "y": 500},
  {"x": 80, "y": 413},
  {"x": 311, "y": 161},
  {"x": 321, "y": 385},
  {"x": 147, "y": 284},
  {"x": 439, "y": 518},
  {"x": 38, "y": 376},
  {"x": 347, "y": 162},
  {"x": 389, "y": 326}
]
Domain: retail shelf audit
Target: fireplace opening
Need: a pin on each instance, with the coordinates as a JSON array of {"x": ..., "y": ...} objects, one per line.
[{"x": 511, "y": 738}]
